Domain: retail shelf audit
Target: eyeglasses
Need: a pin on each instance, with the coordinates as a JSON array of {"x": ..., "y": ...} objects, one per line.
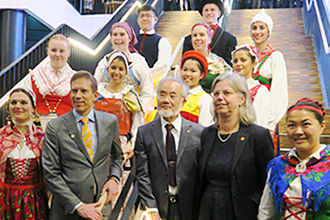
[{"x": 146, "y": 15}]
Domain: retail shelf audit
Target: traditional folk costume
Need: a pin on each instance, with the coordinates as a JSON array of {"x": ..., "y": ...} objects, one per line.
[
  {"x": 261, "y": 101},
  {"x": 138, "y": 75},
  {"x": 223, "y": 43},
  {"x": 126, "y": 105},
  {"x": 198, "y": 107},
  {"x": 52, "y": 89},
  {"x": 297, "y": 189},
  {"x": 216, "y": 66},
  {"x": 22, "y": 194},
  {"x": 271, "y": 71},
  {"x": 157, "y": 52}
]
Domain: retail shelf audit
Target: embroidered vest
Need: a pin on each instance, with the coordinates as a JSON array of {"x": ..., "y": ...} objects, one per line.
[
  {"x": 264, "y": 55},
  {"x": 51, "y": 103},
  {"x": 119, "y": 109},
  {"x": 150, "y": 47}
]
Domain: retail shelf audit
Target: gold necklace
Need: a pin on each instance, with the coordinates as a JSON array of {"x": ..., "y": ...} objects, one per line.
[{"x": 227, "y": 138}]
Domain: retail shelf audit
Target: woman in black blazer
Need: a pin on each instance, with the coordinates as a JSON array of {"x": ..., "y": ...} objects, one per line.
[{"x": 234, "y": 155}]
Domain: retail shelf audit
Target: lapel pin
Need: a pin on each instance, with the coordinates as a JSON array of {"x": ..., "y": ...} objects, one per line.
[
  {"x": 73, "y": 136},
  {"x": 242, "y": 138},
  {"x": 188, "y": 131}
]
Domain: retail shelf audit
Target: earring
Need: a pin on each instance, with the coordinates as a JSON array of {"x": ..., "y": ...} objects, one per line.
[{"x": 8, "y": 118}]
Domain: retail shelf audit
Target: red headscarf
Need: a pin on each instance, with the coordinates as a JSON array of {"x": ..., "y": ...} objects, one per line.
[{"x": 130, "y": 33}]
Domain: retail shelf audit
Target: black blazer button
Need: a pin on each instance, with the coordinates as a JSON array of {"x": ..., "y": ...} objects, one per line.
[
  {"x": 235, "y": 197},
  {"x": 233, "y": 176}
]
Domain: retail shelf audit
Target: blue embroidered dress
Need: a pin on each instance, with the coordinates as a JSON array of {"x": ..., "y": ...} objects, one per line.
[{"x": 297, "y": 189}]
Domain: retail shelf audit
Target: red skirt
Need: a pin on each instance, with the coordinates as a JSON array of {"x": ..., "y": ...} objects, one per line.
[{"x": 23, "y": 202}]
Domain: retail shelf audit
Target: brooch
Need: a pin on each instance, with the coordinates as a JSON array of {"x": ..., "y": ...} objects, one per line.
[{"x": 300, "y": 168}]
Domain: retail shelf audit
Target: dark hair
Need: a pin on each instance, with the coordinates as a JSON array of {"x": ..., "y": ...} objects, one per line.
[
  {"x": 310, "y": 105},
  {"x": 253, "y": 58},
  {"x": 85, "y": 74},
  {"x": 199, "y": 64},
  {"x": 24, "y": 91},
  {"x": 147, "y": 8},
  {"x": 121, "y": 59},
  {"x": 28, "y": 95}
]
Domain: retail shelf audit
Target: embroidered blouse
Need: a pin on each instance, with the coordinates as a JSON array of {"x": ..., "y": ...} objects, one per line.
[
  {"x": 10, "y": 138},
  {"x": 295, "y": 181},
  {"x": 274, "y": 69},
  {"x": 262, "y": 104}
]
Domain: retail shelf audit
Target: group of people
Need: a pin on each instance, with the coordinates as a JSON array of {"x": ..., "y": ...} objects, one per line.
[{"x": 208, "y": 152}]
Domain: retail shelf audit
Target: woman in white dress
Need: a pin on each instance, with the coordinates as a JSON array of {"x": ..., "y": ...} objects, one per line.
[
  {"x": 244, "y": 60},
  {"x": 271, "y": 69}
]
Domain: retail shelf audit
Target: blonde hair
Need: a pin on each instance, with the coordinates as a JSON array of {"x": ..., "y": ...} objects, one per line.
[
  {"x": 247, "y": 114},
  {"x": 60, "y": 37}
]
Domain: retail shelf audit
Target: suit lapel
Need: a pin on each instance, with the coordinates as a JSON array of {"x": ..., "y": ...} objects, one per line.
[
  {"x": 69, "y": 122},
  {"x": 208, "y": 146},
  {"x": 156, "y": 130},
  {"x": 100, "y": 134},
  {"x": 184, "y": 140},
  {"x": 216, "y": 38},
  {"x": 241, "y": 141}
]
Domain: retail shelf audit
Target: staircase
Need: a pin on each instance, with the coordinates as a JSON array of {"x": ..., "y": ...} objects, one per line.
[
  {"x": 177, "y": 24},
  {"x": 288, "y": 37}
]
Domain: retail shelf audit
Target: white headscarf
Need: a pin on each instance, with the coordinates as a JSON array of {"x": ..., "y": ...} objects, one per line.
[{"x": 265, "y": 18}]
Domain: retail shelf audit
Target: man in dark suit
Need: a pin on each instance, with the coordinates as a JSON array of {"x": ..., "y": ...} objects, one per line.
[
  {"x": 82, "y": 156},
  {"x": 223, "y": 43},
  {"x": 166, "y": 157}
]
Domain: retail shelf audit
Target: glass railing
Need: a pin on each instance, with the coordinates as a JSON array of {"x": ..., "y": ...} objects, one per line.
[{"x": 316, "y": 18}]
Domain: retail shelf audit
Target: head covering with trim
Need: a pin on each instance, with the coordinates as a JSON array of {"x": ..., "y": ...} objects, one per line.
[{"x": 198, "y": 56}]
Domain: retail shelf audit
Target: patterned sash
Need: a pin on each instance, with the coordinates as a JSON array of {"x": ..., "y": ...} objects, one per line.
[{"x": 263, "y": 56}]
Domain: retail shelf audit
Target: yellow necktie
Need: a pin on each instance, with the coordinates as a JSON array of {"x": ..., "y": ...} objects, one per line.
[{"x": 87, "y": 138}]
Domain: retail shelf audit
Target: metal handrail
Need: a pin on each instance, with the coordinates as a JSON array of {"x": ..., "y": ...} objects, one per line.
[
  {"x": 79, "y": 59},
  {"x": 309, "y": 4}
]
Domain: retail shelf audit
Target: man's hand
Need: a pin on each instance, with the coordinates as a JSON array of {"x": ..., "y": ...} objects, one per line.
[
  {"x": 112, "y": 187},
  {"x": 90, "y": 211},
  {"x": 154, "y": 216},
  {"x": 128, "y": 154}
]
